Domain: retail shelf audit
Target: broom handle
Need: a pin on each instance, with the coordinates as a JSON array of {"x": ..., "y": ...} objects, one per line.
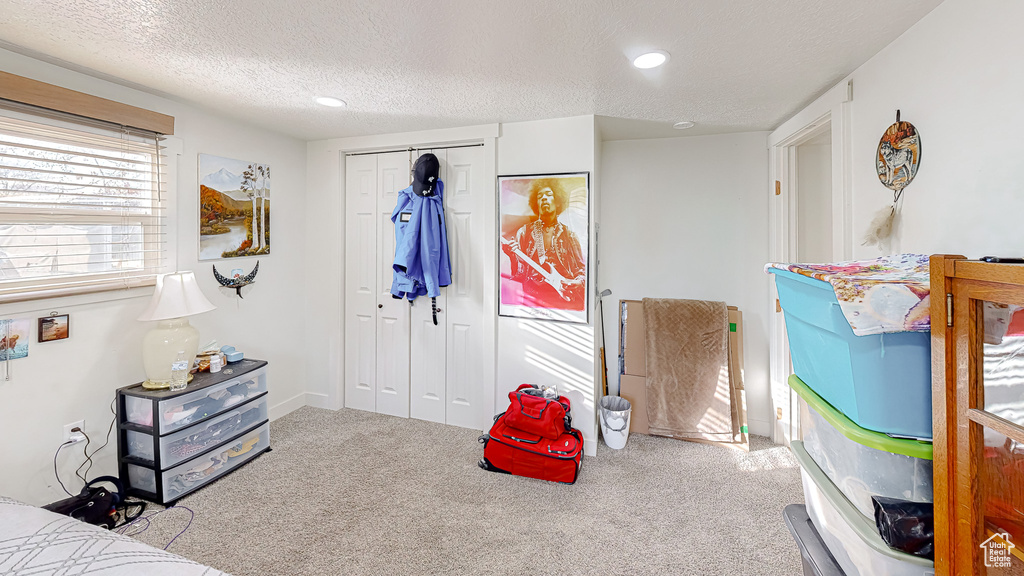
[{"x": 604, "y": 367}]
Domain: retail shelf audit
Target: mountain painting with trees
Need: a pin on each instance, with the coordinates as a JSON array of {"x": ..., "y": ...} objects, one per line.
[{"x": 234, "y": 208}]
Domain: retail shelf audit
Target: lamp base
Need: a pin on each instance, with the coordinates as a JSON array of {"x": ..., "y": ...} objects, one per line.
[{"x": 160, "y": 347}]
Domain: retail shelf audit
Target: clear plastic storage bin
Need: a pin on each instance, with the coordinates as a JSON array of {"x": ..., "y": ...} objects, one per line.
[
  {"x": 179, "y": 411},
  {"x": 198, "y": 472},
  {"x": 851, "y": 538},
  {"x": 862, "y": 463},
  {"x": 184, "y": 444},
  {"x": 816, "y": 559},
  {"x": 882, "y": 381}
]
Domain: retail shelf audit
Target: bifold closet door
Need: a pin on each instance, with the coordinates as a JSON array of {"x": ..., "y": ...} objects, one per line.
[
  {"x": 376, "y": 325},
  {"x": 465, "y": 215},
  {"x": 361, "y": 282},
  {"x": 393, "y": 315},
  {"x": 447, "y": 378},
  {"x": 396, "y": 360},
  {"x": 429, "y": 342}
]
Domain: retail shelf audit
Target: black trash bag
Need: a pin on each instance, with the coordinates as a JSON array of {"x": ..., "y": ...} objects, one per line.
[{"x": 906, "y": 526}]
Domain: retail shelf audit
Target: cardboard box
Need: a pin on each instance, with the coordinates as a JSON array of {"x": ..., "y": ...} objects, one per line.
[
  {"x": 736, "y": 345},
  {"x": 633, "y": 365},
  {"x": 634, "y": 389},
  {"x": 739, "y": 400},
  {"x": 632, "y": 331}
]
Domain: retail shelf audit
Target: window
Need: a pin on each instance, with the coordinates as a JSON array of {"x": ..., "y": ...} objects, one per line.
[{"x": 81, "y": 205}]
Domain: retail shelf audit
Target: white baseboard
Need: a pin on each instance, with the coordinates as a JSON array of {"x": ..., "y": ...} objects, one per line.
[
  {"x": 289, "y": 405},
  {"x": 316, "y": 400},
  {"x": 296, "y": 402},
  {"x": 759, "y": 427}
]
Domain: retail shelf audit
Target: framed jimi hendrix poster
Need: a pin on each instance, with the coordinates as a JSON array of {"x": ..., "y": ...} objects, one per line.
[{"x": 544, "y": 266}]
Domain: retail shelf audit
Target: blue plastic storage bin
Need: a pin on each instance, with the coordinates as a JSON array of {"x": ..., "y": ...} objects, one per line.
[{"x": 882, "y": 382}]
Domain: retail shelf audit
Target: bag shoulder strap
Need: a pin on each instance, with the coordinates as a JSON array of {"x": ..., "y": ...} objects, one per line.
[{"x": 119, "y": 497}]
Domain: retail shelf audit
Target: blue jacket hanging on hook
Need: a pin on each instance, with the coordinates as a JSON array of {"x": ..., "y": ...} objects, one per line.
[{"x": 422, "y": 266}]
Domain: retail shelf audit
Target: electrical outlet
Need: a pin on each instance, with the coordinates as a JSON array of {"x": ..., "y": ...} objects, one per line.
[{"x": 67, "y": 428}]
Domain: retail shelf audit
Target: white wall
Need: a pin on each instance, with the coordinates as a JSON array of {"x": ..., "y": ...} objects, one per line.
[
  {"x": 957, "y": 76},
  {"x": 688, "y": 218},
  {"x": 325, "y": 237},
  {"x": 69, "y": 380},
  {"x": 536, "y": 351}
]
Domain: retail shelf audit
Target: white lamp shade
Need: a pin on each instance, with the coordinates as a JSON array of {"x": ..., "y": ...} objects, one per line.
[{"x": 177, "y": 295}]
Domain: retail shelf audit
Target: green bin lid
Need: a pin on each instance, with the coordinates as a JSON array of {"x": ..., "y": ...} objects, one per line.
[
  {"x": 860, "y": 524},
  {"x": 869, "y": 438}
]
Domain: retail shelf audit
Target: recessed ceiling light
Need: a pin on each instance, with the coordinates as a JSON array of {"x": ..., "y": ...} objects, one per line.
[
  {"x": 683, "y": 125},
  {"x": 650, "y": 59},
  {"x": 332, "y": 102}
]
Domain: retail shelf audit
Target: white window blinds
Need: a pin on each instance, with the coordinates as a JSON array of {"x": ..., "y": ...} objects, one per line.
[{"x": 81, "y": 205}]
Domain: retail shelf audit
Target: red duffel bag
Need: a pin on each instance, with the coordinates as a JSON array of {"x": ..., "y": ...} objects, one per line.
[
  {"x": 531, "y": 412},
  {"x": 511, "y": 451}
]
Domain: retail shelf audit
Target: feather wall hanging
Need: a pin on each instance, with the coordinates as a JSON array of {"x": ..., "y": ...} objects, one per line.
[{"x": 896, "y": 162}]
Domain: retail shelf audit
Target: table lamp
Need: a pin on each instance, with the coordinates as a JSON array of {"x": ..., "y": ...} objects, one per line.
[{"x": 176, "y": 297}]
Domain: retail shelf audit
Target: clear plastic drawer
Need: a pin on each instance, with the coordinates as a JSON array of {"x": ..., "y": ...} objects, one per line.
[
  {"x": 187, "y": 409},
  {"x": 852, "y": 539},
  {"x": 198, "y": 472},
  {"x": 184, "y": 444},
  {"x": 862, "y": 463},
  {"x": 141, "y": 478}
]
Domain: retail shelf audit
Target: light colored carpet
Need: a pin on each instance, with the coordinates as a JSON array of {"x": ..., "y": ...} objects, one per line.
[{"x": 351, "y": 492}]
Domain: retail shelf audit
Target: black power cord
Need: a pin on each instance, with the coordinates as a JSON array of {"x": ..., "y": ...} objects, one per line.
[
  {"x": 85, "y": 449},
  {"x": 85, "y": 452},
  {"x": 55, "y": 467}
]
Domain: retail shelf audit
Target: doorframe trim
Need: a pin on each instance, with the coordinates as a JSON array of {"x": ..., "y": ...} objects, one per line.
[{"x": 833, "y": 107}]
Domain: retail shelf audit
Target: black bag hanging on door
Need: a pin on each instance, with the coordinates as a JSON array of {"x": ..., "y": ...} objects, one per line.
[{"x": 97, "y": 505}]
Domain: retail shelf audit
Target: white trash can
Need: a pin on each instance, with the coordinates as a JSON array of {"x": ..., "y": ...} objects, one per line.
[{"x": 615, "y": 421}]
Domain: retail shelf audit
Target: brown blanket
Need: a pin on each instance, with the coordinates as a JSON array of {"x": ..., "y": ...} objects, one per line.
[{"x": 688, "y": 389}]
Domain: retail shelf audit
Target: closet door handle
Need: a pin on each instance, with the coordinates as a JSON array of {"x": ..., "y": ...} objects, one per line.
[{"x": 380, "y": 305}]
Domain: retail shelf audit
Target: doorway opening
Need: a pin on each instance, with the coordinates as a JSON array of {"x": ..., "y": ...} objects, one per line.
[{"x": 813, "y": 195}]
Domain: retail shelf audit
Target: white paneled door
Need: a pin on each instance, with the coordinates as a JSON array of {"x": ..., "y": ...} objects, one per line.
[
  {"x": 361, "y": 275},
  {"x": 397, "y": 361},
  {"x": 392, "y": 314},
  {"x": 429, "y": 342},
  {"x": 465, "y": 214}
]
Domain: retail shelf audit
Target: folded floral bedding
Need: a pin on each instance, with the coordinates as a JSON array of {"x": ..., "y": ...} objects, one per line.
[{"x": 886, "y": 294}]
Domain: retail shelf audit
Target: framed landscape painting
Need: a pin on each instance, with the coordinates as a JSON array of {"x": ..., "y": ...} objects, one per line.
[{"x": 234, "y": 208}]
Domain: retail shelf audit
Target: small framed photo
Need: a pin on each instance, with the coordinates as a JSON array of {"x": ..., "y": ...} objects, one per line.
[
  {"x": 54, "y": 328},
  {"x": 14, "y": 337}
]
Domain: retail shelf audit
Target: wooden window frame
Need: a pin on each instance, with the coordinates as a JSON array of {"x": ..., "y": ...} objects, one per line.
[{"x": 33, "y": 92}]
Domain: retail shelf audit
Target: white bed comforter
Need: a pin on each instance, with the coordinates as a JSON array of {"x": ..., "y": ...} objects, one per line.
[{"x": 37, "y": 542}]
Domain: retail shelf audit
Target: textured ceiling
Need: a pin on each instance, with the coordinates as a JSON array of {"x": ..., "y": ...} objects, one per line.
[{"x": 412, "y": 65}]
